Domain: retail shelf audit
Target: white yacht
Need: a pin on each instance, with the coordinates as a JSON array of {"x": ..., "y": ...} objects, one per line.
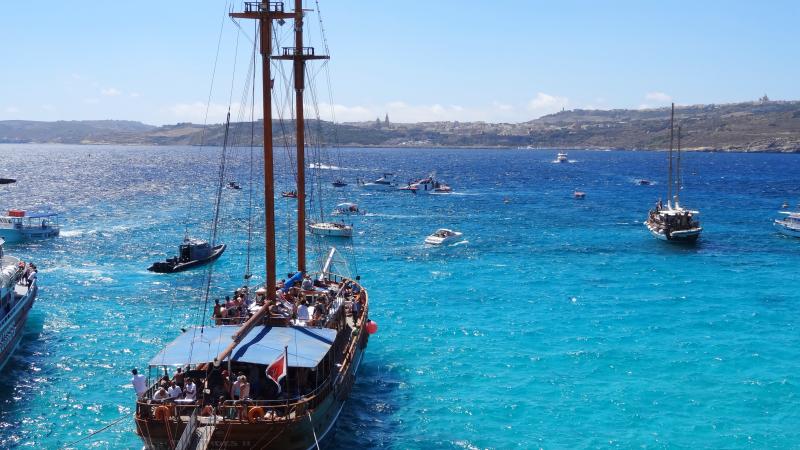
[
  {"x": 16, "y": 300},
  {"x": 443, "y": 236},
  {"x": 561, "y": 158},
  {"x": 789, "y": 225},
  {"x": 18, "y": 225},
  {"x": 427, "y": 185},
  {"x": 332, "y": 229},
  {"x": 384, "y": 183}
]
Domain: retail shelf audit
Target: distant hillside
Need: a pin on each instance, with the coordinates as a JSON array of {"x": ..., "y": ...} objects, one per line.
[{"x": 752, "y": 126}]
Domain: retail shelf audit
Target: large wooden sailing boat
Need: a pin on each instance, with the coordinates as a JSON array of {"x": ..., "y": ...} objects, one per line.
[
  {"x": 672, "y": 222},
  {"x": 297, "y": 343}
]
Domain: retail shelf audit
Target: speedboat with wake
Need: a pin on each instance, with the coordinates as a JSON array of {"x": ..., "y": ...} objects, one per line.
[
  {"x": 347, "y": 209},
  {"x": 332, "y": 229},
  {"x": 384, "y": 183},
  {"x": 561, "y": 158},
  {"x": 443, "y": 236},
  {"x": 191, "y": 253}
]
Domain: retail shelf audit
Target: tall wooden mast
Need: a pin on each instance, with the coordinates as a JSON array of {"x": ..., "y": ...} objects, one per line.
[
  {"x": 299, "y": 55},
  {"x": 669, "y": 177},
  {"x": 265, "y": 12}
]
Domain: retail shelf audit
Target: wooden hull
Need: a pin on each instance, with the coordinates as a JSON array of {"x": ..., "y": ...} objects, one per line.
[
  {"x": 679, "y": 237},
  {"x": 302, "y": 432}
]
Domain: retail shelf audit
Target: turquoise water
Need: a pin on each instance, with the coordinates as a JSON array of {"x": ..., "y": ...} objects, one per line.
[{"x": 556, "y": 323}]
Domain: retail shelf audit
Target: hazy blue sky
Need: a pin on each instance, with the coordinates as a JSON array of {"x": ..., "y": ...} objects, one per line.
[{"x": 499, "y": 60}]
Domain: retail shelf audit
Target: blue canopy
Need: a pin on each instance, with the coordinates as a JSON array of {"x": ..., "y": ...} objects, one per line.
[
  {"x": 39, "y": 215},
  {"x": 192, "y": 347},
  {"x": 262, "y": 345}
]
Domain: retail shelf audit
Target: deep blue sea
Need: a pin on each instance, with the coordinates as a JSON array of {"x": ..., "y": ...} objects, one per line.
[{"x": 555, "y": 323}]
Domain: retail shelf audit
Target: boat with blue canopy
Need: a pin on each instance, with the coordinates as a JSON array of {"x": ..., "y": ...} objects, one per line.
[{"x": 18, "y": 225}]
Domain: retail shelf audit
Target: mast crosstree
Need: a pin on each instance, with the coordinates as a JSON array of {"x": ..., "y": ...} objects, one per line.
[{"x": 265, "y": 12}]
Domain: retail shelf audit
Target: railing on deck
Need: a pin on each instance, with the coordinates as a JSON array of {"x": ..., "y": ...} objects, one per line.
[{"x": 263, "y": 7}]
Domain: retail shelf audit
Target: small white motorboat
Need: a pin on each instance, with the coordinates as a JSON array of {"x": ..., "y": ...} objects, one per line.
[
  {"x": 789, "y": 225},
  {"x": 332, "y": 229},
  {"x": 347, "y": 209},
  {"x": 579, "y": 194},
  {"x": 443, "y": 236},
  {"x": 561, "y": 158},
  {"x": 384, "y": 183}
]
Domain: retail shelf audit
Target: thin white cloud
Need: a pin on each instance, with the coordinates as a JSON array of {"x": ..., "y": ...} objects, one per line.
[
  {"x": 544, "y": 104},
  {"x": 196, "y": 112},
  {"x": 658, "y": 97},
  {"x": 12, "y": 109},
  {"x": 111, "y": 92}
]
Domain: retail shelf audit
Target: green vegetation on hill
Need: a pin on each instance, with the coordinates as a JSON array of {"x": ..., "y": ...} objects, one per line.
[{"x": 752, "y": 126}]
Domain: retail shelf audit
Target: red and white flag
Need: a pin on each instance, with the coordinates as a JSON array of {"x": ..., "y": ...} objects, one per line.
[{"x": 277, "y": 370}]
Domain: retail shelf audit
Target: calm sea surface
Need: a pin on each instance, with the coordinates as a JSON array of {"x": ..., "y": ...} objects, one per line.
[{"x": 556, "y": 323}]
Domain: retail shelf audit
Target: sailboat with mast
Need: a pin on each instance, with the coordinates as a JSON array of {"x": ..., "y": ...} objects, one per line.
[
  {"x": 278, "y": 372},
  {"x": 672, "y": 222}
]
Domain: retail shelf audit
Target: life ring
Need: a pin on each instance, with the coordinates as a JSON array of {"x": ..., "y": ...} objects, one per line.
[
  {"x": 162, "y": 413},
  {"x": 255, "y": 413}
]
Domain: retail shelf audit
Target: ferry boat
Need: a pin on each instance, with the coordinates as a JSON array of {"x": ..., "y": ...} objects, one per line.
[
  {"x": 191, "y": 253},
  {"x": 427, "y": 185},
  {"x": 16, "y": 300},
  {"x": 561, "y": 158},
  {"x": 673, "y": 222},
  {"x": 443, "y": 236},
  {"x": 789, "y": 225},
  {"x": 297, "y": 343},
  {"x": 384, "y": 183},
  {"x": 18, "y": 225}
]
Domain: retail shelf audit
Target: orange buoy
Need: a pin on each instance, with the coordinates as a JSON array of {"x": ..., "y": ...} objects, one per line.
[
  {"x": 162, "y": 413},
  {"x": 372, "y": 327},
  {"x": 255, "y": 413}
]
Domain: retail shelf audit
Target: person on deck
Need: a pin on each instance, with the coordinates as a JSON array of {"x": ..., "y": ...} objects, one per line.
[
  {"x": 190, "y": 391},
  {"x": 174, "y": 391},
  {"x": 139, "y": 383},
  {"x": 178, "y": 377},
  {"x": 161, "y": 394},
  {"x": 302, "y": 312}
]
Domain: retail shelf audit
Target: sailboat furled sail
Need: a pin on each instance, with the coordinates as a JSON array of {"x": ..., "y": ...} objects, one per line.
[
  {"x": 672, "y": 222},
  {"x": 278, "y": 361}
]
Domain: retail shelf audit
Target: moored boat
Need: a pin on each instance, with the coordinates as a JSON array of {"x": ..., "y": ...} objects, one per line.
[
  {"x": 672, "y": 222},
  {"x": 347, "y": 209},
  {"x": 789, "y": 225},
  {"x": 427, "y": 185},
  {"x": 17, "y": 293},
  {"x": 191, "y": 253},
  {"x": 18, "y": 225}
]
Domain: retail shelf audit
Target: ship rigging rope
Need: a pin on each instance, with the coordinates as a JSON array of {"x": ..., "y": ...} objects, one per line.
[{"x": 71, "y": 444}]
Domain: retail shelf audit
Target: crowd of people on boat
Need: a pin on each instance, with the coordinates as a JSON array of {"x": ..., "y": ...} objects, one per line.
[{"x": 307, "y": 304}]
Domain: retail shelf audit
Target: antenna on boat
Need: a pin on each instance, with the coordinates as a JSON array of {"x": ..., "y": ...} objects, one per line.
[
  {"x": 678, "y": 171},
  {"x": 669, "y": 179}
]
